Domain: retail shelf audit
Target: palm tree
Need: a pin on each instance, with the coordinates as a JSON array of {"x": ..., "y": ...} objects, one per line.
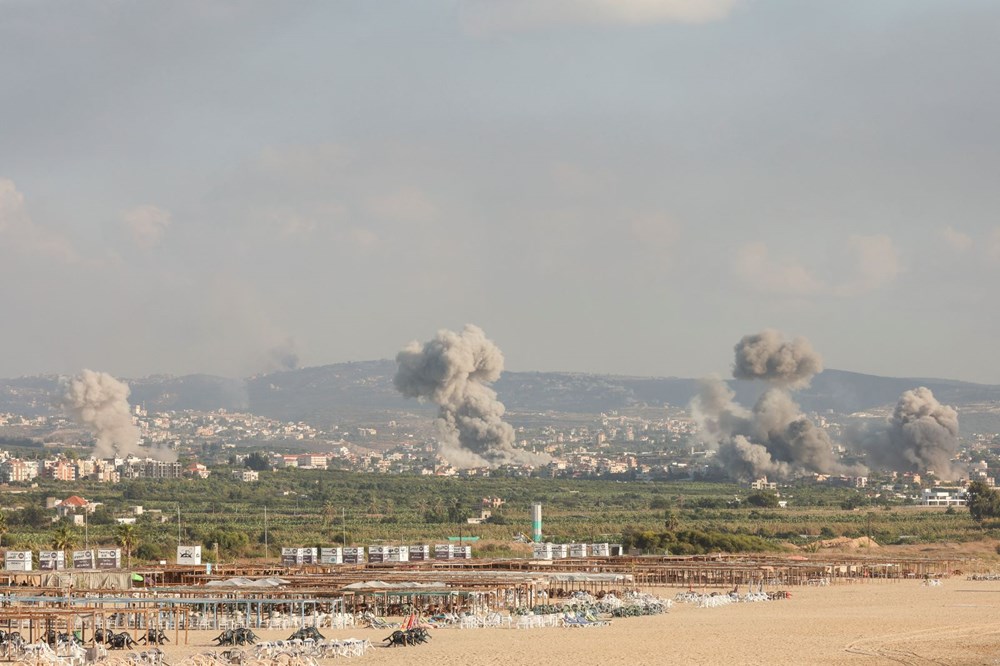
[
  {"x": 329, "y": 513},
  {"x": 64, "y": 537},
  {"x": 128, "y": 538}
]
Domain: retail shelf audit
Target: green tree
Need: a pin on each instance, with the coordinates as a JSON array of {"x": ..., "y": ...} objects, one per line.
[
  {"x": 3, "y": 526},
  {"x": 127, "y": 536},
  {"x": 983, "y": 501},
  {"x": 32, "y": 515},
  {"x": 64, "y": 537},
  {"x": 257, "y": 461},
  {"x": 762, "y": 499},
  {"x": 101, "y": 516},
  {"x": 330, "y": 514},
  {"x": 456, "y": 512}
]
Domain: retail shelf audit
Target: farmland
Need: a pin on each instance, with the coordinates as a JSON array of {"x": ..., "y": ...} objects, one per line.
[{"x": 318, "y": 507}]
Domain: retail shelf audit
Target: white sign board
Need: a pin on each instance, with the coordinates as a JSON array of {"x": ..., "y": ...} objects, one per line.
[
  {"x": 51, "y": 560},
  {"x": 17, "y": 560},
  {"x": 190, "y": 555}
]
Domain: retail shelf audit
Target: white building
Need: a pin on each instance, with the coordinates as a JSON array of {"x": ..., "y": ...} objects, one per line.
[
  {"x": 943, "y": 497},
  {"x": 246, "y": 475}
]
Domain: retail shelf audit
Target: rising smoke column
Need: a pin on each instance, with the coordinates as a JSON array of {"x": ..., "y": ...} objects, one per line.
[
  {"x": 99, "y": 402},
  {"x": 921, "y": 434},
  {"x": 774, "y": 438},
  {"x": 454, "y": 371},
  {"x": 718, "y": 416}
]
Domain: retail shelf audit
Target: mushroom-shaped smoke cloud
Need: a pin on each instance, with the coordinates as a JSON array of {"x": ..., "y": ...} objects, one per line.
[
  {"x": 454, "y": 371},
  {"x": 774, "y": 439}
]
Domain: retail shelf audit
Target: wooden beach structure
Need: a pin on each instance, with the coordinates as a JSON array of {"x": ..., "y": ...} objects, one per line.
[{"x": 178, "y": 598}]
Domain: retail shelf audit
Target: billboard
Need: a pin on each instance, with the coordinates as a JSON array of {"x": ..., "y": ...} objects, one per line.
[
  {"x": 83, "y": 559},
  {"x": 17, "y": 560},
  {"x": 291, "y": 557},
  {"x": 109, "y": 558},
  {"x": 51, "y": 560},
  {"x": 354, "y": 555},
  {"x": 397, "y": 554},
  {"x": 331, "y": 556},
  {"x": 189, "y": 555}
]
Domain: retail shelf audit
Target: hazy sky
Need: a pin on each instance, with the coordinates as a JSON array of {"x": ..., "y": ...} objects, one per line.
[{"x": 624, "y": 186}]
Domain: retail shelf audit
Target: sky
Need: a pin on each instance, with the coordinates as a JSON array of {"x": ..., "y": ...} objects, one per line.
[{"x": 613, "y": 186}]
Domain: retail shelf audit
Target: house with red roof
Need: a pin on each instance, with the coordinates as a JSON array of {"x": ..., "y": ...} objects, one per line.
[{"x": 73, "y": 505}]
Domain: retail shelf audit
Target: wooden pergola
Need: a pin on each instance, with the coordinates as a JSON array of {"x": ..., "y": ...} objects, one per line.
[{"x": 35, "y": 616}]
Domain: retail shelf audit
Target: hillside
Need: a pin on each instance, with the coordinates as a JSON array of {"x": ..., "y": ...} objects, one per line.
[{"x": 363, "y": 390}]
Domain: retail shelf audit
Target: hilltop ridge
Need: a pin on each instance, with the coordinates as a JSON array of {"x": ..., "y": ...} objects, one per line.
[{"x": 356, "y": 389}]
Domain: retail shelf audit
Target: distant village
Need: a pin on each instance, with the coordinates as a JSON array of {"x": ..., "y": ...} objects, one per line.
[{"x": 609, "y": 446}]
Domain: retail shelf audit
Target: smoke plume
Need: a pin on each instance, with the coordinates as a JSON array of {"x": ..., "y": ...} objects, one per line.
[
  {"x": 921, "y": 434},
  {"x": 774, "y": 439},
  {"x": 767, "y": 355},
  {"x": 714, "y": 410},
  {"x": 99, "y": 402},
  {"x": 283, "y": 356},
  {"x": 454, "y": 371},
  {"x": 744, "y": 460}
]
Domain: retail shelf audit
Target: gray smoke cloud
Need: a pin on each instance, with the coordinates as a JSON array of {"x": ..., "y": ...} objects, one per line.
[
  {"x": 283, "y": 356},
  {"x": 921, "y": 435},
  {"x": 744, "y": 460},
  {"x": 767, "y": 355},
  {"x": 99, "y": 402},
  {"x": 774, "y": 439},
  {"x": 717, "y": 414},
  {"x": 454, "y": 371}
]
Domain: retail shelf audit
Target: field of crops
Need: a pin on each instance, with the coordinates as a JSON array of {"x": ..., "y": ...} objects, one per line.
[{"x": 317, "y": 508}]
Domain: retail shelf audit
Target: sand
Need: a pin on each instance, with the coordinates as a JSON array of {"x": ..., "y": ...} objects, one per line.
[{"x": 900, "y": 622}]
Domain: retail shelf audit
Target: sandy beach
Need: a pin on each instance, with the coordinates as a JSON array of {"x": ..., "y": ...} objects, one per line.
[{"x": 900, "y": 622}]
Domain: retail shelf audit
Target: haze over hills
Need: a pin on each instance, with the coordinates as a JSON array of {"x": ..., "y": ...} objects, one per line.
[{"x": 362, "y": 390}]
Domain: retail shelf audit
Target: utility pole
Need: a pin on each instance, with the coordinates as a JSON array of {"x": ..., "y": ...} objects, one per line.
[
  {"x": 343, "y": 522},
  {"x": 265, "y": 532},
  {"x": 178, "y": 525}
]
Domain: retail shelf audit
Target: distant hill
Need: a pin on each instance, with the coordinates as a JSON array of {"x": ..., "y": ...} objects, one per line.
[{"x": 363, "y": 390}]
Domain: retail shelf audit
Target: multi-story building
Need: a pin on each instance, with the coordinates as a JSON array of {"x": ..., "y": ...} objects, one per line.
[
  {"x": 152, "y": 469},
  {"x": 60, "y": 470},
  {"x": 312, "y": 461},
  {"x": 16, "y": 471},
  {"x": 763, "y": 484},
  {"x": 105, "y": 472},
  {"x": 943, "y": 497}
]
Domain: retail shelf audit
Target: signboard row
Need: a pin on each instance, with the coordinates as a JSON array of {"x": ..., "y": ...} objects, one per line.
[
  {"x": 100, "y": 558},
  {"x": 559, "y": 551},
  {"x": 54, "y": 560},
  {"x": 356, "y": 555}
]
